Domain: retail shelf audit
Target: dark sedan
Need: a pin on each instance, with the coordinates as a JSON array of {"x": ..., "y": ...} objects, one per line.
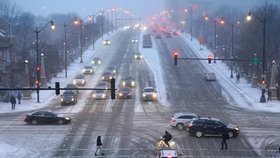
[
  {"x": 124, "y": 92},
  {"x": 107, "y": 76},
  {"x": 46, "y": 117},
  {"x": 68, "y": 97}
]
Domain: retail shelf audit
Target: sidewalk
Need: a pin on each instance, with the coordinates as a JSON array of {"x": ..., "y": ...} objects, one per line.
[{"x": 239, "y": 94}]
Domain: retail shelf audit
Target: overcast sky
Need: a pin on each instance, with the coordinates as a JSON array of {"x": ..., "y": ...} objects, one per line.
[{"x": 140, "y": 8}]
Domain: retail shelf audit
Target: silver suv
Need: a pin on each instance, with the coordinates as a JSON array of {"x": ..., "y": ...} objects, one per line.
[{"x": 181, "y": 120}]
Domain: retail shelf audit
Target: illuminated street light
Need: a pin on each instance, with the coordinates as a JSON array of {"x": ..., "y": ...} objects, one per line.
[{"x": 37, "y": 31}]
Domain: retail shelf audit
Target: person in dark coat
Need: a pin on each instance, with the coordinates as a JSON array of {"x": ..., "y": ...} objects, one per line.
[
  {"x": 19, "y": 97},
  {"x": 225, "y": 136},
  {"x": 238, "y": 78},
  {"x": 167, "y": 137},
  {"x": 13, "y": 102},
  {"x": 99, "y": 146},
  {"x": 268, "y": 95}
]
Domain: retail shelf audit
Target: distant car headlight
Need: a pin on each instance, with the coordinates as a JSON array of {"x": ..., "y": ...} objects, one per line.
[
  {"x": 110, "y": 77},
  {"x": 237, "y": 129},
  {"x": 144, "y": 95},
  {"x": 104, "y": 42},
  {"x": 83, "y": 81},
  {"x": 109, "y": 42},
  {"x": 103, "y": 78},
  {"x": 61, "y": 99},
  {"x": 154, "y": 95},
  {"x": 84, "y": 70},
  {"x": 141, "y": 56},
  {"x": 114, "y": 71},
  {"x": 103, "y": 95},
  {"x": 99, "y": 62},
  {"x": 135, "y": 56},
  {"x": 123, "y": 83},
  {"x": 120, "y": 94},
  {"x": 94, "y": 96},
  {"x": 92, "y": 62},
  {"x": 132, "y": 83}
]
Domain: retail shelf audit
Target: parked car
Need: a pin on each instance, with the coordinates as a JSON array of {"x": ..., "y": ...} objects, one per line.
[
  {"x": 128, "y": 81},
  {"x": 70, "y": 85},
  {"x": 68, "y": 97},
  {"x": 107, "y": 76},
  {"x": 96, "y": 61},
  {"x": 138, "y": 56},
  {"x": 88, "y": 70},
  {"x": 124, "y": 92},
  {"x": 106, "y": 42},
  {"x": 99, "y": 94},
  {"x": 211, "y": 127},
  {"x": 149, "y": 94},
  {"x": 46, "y": 117},
  {"x": 79, "y": 80},
  {"x": 181, "y": 120},
  {"x": 209, "y": 76}
]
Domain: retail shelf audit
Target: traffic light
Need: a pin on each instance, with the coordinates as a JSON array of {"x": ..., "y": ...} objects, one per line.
[
  {"x": 113, "y": 94},
  {"x": 57, "y": 88},
  {"x": 209, "y": 59},
  {"x": 38, "y": 68},
  {"x": 175, "y": 57}
]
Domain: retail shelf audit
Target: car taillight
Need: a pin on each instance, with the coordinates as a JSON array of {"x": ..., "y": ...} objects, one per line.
[
  {"x": 172, "y": 119},
  {"x": 190, "y": 125}
]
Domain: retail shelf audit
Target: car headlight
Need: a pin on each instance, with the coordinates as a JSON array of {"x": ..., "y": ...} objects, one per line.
[
  {"x": 132, "y": 83},
  {"x": 109, "y": 42},
  {"x": 72, "y": 99},
  {"x": 92, "y": 62},
  {"x": 114, "y": 71},
  {"x": 110, "y": 77},
  {"x": 99, "y": 62},
  {"x": 103, "y": 95},
  {"x": 93, "y": 95},
  {"x": 135, "y": 56},
  {"x": 144, "y": 95},
  {"x": 141, "y": 56},
  {"x": 237, "y": 129},
  {"x": 123, "y": 83},
  {"x": 104, "y": 42},
  {"x": 67, "y": 118},
  {"x": 61, "y": 99},
  {"x": 103, "y": 78},
  {"x": 74, "y": 82},
  {"x": 154, "y": 95},
  {"x": 120, "y": 94},
  {"x": 83, "y": 81}
]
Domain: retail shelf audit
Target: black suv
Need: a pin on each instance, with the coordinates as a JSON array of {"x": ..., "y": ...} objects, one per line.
[{"x": 211, "y": 127}]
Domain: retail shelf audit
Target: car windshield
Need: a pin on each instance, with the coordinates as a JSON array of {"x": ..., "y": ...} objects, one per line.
[
  {"x": 68, "y": 93},
  {"x": 88, "y": 67},
  {"x": 99, "y": 91},
  {"x": 149, "y": 90},
  {"x": 80, "y": 77}
]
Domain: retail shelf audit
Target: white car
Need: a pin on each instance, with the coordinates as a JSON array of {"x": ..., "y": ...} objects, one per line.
[
  {"x": 209, "y": 76},
  {"x": 99, "y": 94},
  {"x": 79, "y": 80},
  {"x": 181, "y": 120},
  {"x": 88, "y": 70},
  {"x": 138, "y": 56},
  {"x": 149, "y": 94}
]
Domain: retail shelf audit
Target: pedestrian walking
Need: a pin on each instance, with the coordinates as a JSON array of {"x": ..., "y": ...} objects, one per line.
[
  {"x": 99, "y": 146},
  {"x": 13, "y": 102},
  {"x": 238, "y": 78},
  {"x": 225, "y": 136},
  {"x": 268, "y": 94},
  {"x": 19, "y": 97}
]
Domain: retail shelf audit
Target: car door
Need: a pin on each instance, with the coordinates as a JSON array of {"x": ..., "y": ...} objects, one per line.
[
  {"x": 210, "y": 128},
  {"x": 220, "y": 127},
  {"x": 39, "y": 117},
  {"x": 50, "y": 118}
]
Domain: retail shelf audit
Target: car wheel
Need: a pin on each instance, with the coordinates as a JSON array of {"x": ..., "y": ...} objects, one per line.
[
  {"x": 33, "y": 122},
  {"x": 180, "y": 126},
  {"x": 198, "y": 134},
  {"x": 60, "y": 122}
]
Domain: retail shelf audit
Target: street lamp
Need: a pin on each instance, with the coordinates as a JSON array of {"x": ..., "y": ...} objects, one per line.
[
  {"x": 249, "y": 17},
  {"x": 80, "y": 22},
  {"x": 65, "y": 45},
  {"x": 37, "y": 31},
  {"x": 231, "y": 55}
]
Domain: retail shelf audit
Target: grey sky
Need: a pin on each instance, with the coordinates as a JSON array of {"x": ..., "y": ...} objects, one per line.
[{"x": 142, "y": 8}]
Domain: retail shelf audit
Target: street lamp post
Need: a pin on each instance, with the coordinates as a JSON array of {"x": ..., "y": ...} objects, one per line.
[
  {"x": 231, "y": 54},
  {"x": 249, "y": 17},
  {"x": 37, "y": 31}
]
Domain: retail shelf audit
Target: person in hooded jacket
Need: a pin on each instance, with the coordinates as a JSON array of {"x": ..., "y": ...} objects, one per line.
[
  {"x": 99, "y": 146},
  {"x": 13, "y": 102}
]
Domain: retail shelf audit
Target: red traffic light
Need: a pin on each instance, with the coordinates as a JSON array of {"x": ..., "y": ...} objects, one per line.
[
  {"x": 38, "y": 68},
  {"x": 175, "y": 53},
  {"x": 209, "y": 59},
  {"x": 263, "y": 81}
]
